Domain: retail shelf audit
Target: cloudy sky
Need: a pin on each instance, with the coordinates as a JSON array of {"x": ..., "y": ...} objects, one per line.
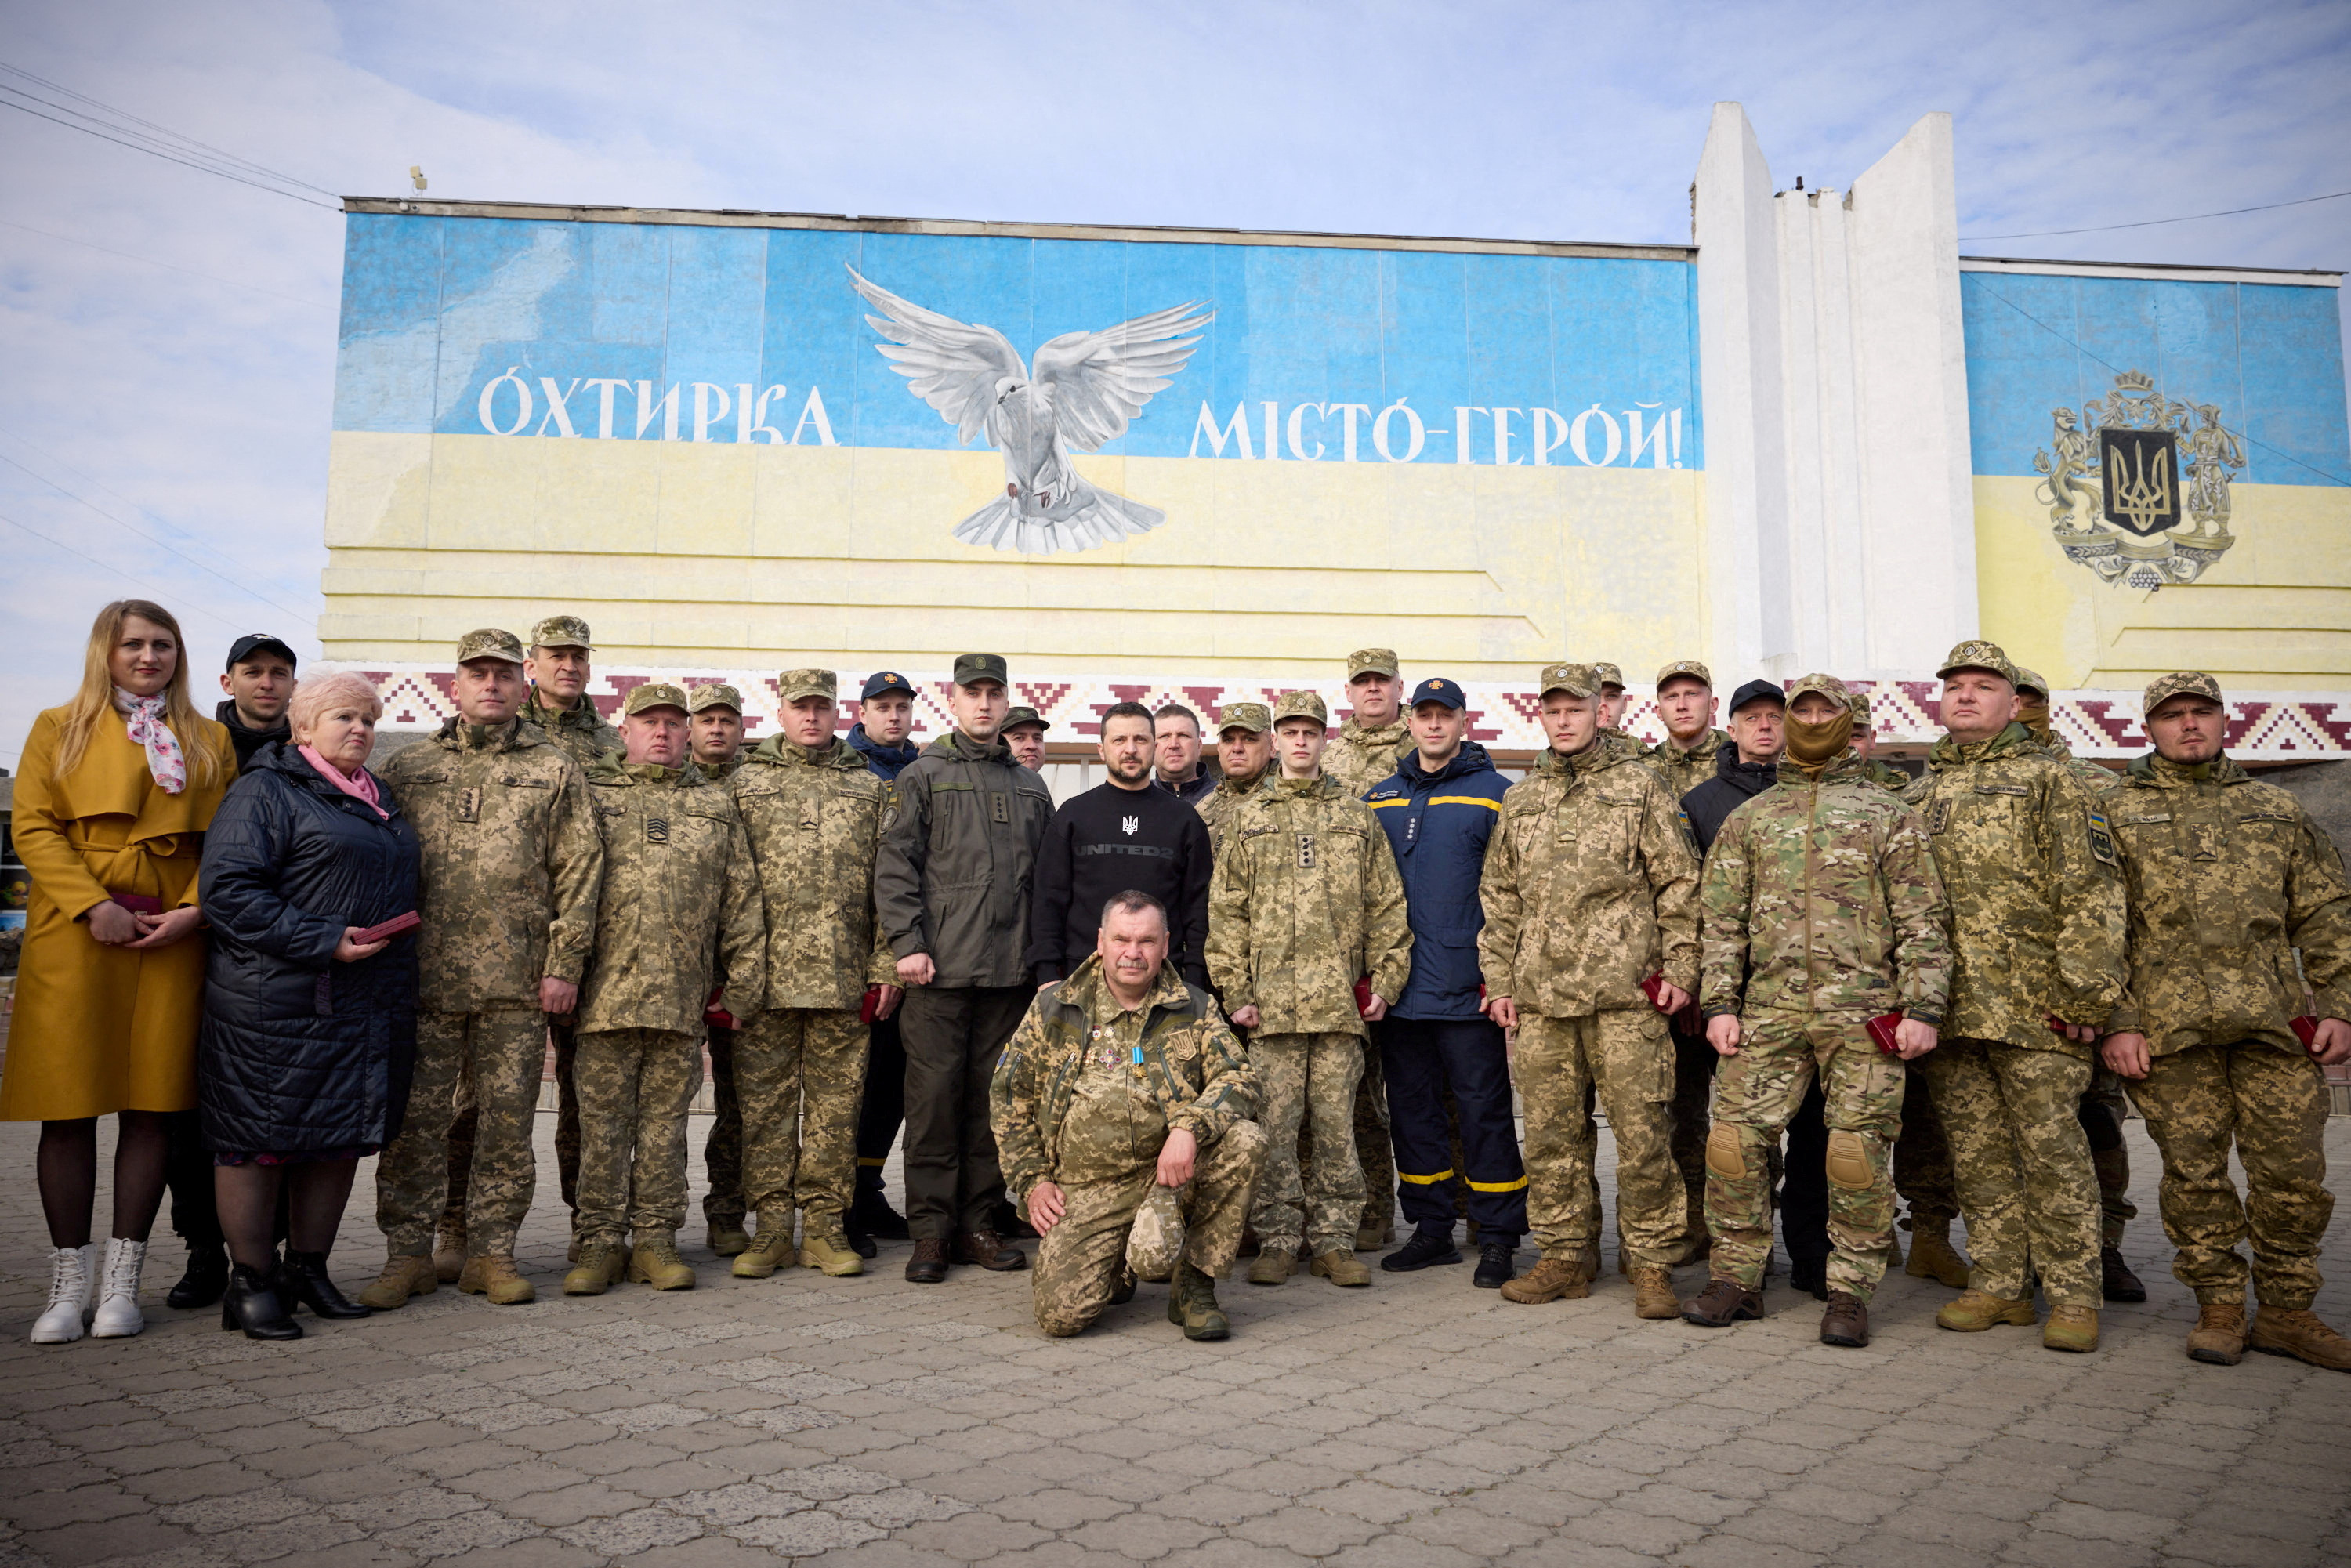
[{"x": 170, "y": 336}]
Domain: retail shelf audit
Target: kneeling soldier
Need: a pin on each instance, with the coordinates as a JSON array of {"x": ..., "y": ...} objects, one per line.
[
  {"x": 2227, "y": 876},
  {"x": 1822, "y": 910},
  {"x": 1123, "y": 1058},
  {"x": 679, "y": 887}
]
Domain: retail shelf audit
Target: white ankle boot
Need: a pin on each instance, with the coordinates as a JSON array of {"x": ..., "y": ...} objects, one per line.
[
  {"x": 73, "y": 1271},
  {"x": 118, "y": 1315}
]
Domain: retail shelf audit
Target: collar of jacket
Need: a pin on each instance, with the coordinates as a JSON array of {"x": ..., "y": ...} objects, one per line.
[
  {"x": 512, "y": 736},
  {"x": 1602, "y": 753},
  {"x": 1846, "y": 768},
  {"x": 1087, "y": 991},
  {"x": 1322, "y": 784},
  {"x": 906, "y": 751},
  {"x": 286, "y": 757},
  {"x": 1710, "y": 743},
  {"x": 1470, "y": 759},
  {"x": 1389, "y": 734},
  {"x": 716, "y": 772},
  {"x": 580, "y": 715},
  {"x": 2157, "y": 771},
  {"x": 614, "y": 767},
  {"x": 841, "y": 755},
  {"x": 1747, "y": 778},
  {"x": 227, "y": 714},
  {"x": 957, "y": 747},
  {"x": 2013, "y": 741},
  {"x": 1232, "y": 786}
]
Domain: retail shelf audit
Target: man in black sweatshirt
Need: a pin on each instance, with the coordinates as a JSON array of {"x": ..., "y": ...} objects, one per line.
[{"x": 1123, "y": 834}]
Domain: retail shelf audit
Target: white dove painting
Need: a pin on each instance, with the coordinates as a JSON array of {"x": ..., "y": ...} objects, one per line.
[{"x": 1083, "y": 392}]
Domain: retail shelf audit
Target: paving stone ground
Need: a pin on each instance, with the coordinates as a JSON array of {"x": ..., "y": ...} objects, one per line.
[{"x": 1419, "y": 1422}]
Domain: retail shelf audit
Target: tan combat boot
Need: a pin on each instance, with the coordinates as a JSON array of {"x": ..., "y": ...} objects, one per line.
[
  {"x": 598, "y": 1269},
  {"x": 493, "y": 1275},
  {"x": 2218, "y": 1337},
  {"x": 2071, "y": 1328},
  {"x": 1932, "y": 1256},
  {"x": 1371, "y": 1236},
  {"x": 829, "y": 1251},
  {"x": 1977, "y": 1310},
  {"x": 1653, "y": 1293},
  {"x": 726, "y": 1237},
  {"x": 1272, "y": 1266},
  {"x": 769, "y": 1250},
  {"x": 2299, "y": 1335},
  {"x": 1341, "y": 1267},
  {"x": 1552, "y": 1279},
  {"x": 401, "y": 1277},
  {"x": 449, "y": 1253},
  {"x": 657, "y": 1262}
]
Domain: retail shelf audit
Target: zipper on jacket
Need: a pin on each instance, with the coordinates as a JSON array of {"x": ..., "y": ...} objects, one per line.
[{"x": 1812, "y": 836}]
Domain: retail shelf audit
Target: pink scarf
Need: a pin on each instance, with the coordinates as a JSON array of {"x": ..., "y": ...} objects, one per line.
[
  {"x": 360, "y": 787},
  {"x": 142, "y": 720}
]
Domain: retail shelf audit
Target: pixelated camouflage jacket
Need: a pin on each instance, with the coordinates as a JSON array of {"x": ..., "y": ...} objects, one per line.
[
  {"x": 1306, "y": 900},
  {"x": 2028, "y": 863},
  {"x": 958, "y": 851},
  {"x": 1891, "y": 780},
  {"x": 1217, "y": 806},
  {"x": 1188, "y": 1061},
  {"x": 1589, "y": 887},
  {"x": 680, "y": 892},
  {"x": 720, "y": 772},
  {"x": 2097, "y": 780},
  {"x": 581, "y": 733},
  {"x": 1359, "y": 758},
  {"x": 511, "y": 863},
  {"x": 814, "y": 819},
  {"x": 1684, "y": 771},
  {"x": 2227, "y": 877},
  {"x": 1822, "y": 896}
]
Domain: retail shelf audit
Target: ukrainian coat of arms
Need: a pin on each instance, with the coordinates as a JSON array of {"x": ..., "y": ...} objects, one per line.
[{"x": 2136, "y": 483}]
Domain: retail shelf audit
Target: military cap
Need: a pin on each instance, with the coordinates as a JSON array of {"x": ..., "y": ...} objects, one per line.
[
  {"x": 1829, "y": 687},
  {"x": 1373, "y": 661},
  {"x": 714, "y": 694},
  {"x": 2186, "y": 683},
  {"x": 972, "y": 667},
  {"x": 1445, "y": 692},
  {"x": 489, "y": 642},
  {"x": 1859, "y": 703},
  {"x": 1757, "y": 691},
  {"x": 562, "y": 631},
  {"x": 1255, "y": 718},
  {"x": 792, "y": 684},
  {"x": 1017, "y": 717},
  {"x": 1690, "y": 667},
  {"x": 655, "y": 693},
  {"x": 1978, "y": 654},
  {"x": 1575, "y": 680},
  {"x": 1610, "y": 675},
  {"x": 883, "y": 683},
  {"x": 1301, "y": 704},
  {"x": 2030, "y": 681}
]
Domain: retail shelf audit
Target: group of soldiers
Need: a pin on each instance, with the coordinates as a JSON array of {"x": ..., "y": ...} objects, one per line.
[{"x": 1933, "y": 989}]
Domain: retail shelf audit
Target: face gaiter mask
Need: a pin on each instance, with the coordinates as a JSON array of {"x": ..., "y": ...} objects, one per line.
[{"x": 1813, "y": 747}]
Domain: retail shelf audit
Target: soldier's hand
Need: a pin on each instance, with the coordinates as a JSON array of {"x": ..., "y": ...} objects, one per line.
[
  {"x": 1376, "y": 1009},
  {"x": 2126, "y": 1053},
  {"x": 887, "y": 1001},
  {"x": 1671, "y": 998},
  {"x": 557, "y": 996},
  {"x": 916, "y": 970},
  {"x": 349, "y": 951},
  {"x": 1045, "y": 1207},
  {"x": 1913, "y": 1040},
  {"x": 1176, "y": 1157},
  {"x": 1722, "y": 1033},
  {"x": 1502, "y": 1010},
  {"x": 2331, "y": 1045},
  {"x": 1245, "y": 1017}
]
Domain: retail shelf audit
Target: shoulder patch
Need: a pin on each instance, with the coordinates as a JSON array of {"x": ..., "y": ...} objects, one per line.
[{"x": 2102, "y": 838}]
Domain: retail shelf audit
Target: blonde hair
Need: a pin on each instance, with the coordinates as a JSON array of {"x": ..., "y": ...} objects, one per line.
[
  {"x": 321, "y": 695},
  {"x": 95, "y": 700}
]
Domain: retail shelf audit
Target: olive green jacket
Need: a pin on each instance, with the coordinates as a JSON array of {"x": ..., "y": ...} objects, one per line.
[{"x": 958, "y": 854}]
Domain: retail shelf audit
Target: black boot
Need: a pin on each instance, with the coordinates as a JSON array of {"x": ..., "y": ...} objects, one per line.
[
  {"x": 254, "y": 1305},
  {"x": 1497, "y": 1262},
  {"x": 206, "y": 1278},
  {"x": 302, "y": 1281},
  {"x": 871, "y": 1213},
  {"x": 1429, "y": 1245},
  {"x": 1810, "y": 1275},
  {"x": 2116, "y": 1282}
]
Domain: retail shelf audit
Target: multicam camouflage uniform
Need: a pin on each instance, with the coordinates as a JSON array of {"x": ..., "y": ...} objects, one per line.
[
  {"x": 679, "y": 887},
  {"x": 1086, "y": 1095},
  {"x": 2227, "y": 876},
  {"x": 814, "y": 817},
  {"x": 1822, "y": 910},
  {"x": 511, "y": 869},
  {"x": 1305, "y": 900},
  {"x": 1590, "y": 888},
  {"x": 2037, "y": 931}
]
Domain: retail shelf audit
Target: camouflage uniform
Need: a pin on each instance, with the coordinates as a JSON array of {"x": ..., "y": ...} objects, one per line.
[
  {"x": 1084, "y": 1097},
  {"x": 1822, "y": 910},
  {"x": 722, "y": 1147},
  {"x": 2227, "y": 876},
  {"x": 1359, "y": 758},
  {"x": 1683, "y": 771},
  {"x": 1591, "y": 887},
  {"x": 511, "y": 868},
  {"x": 814, "y": 819},
  {"x": 2037, "y": 931},
  {"x": 1305, "y": 900},
  {"x": 679, "y": 887},
  {"x": 1222, "y": 804}
]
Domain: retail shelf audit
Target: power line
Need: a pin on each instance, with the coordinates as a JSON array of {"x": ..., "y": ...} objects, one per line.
[
  {"x": 2151, "y": 223},
  {"x": 151, "y": 261},
  {"x": 159, "y": 132},
  {"x": 109, "y": 566}
]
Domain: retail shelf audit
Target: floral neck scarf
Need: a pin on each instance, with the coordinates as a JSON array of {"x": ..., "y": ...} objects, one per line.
[{"x": 143, "y": 719}]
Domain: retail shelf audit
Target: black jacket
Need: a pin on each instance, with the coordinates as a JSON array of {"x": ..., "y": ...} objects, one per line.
[
  {"x": 296, "y": 1051},
  {"x": 1103, "y": 843},
  {"x": 249, "y": 742},
  {"x": 1202, "y": 786},
  {"x": 886, "y": 761},
  {"x": 1734, "y": 784},
  {"x": 1438, "y": 824}
]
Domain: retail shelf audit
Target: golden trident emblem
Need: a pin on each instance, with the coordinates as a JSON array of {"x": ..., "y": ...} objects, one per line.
[{"x": 2138, "y": 490}]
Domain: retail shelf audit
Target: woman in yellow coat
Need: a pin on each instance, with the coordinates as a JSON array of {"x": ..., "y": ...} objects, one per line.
[{"x": 116, "y": 791}]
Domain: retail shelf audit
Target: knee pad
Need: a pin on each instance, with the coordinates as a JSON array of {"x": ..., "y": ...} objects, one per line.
[
  {"x": 1848, "y": 1160},
  {"x": 1724, "y": 1156}
]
